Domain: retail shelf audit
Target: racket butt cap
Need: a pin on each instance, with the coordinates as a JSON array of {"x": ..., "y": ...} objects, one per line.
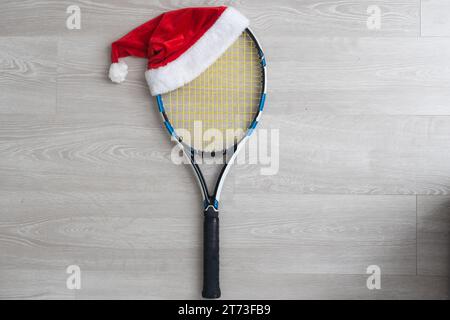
[{"x": 211, "y": 295}]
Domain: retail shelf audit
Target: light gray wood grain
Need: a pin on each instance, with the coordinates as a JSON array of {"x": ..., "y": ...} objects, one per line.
[
  {"x": 333, "y": 18},
  {"x": 434, "y": 20},
  {"x": 343, "y": 75},
  {"x": 16, "y": 283},
  {"x": 326, "y": 154},
  {"x": 32, "y": 18},
  {"x": 326, "y": 75},
  {"x": 89, "y": 154},
  {"x": 355, "y": 154},
  {"x": 433, "y": 225},
  {"x": 146, "y": 285},
  {"x": 84, "y": 87},
  {"x": 322, "y": 234},
  {"x": 311, "y": 17},
  {"x": 364, "y": 119},
  {"x": 28, "y": 75}
]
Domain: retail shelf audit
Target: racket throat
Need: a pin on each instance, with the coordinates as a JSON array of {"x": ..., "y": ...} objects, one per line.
[{"x": 211, "y": 203}]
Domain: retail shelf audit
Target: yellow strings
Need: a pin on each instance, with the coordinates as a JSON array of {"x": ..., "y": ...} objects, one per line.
[{"x": 225, "y": 96}]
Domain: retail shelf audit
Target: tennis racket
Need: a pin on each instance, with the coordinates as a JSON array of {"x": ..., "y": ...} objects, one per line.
[{"x": 226, "y": 99}]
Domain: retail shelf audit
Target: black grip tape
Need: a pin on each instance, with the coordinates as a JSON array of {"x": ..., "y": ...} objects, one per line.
[{"x": 211, "y": 287}]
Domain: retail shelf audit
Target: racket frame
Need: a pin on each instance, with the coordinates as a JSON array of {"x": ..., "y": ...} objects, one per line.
[{"x": 211, "y": 287}]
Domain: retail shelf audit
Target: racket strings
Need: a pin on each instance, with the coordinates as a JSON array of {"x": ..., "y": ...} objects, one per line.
[{"x": 223, "y": 100}]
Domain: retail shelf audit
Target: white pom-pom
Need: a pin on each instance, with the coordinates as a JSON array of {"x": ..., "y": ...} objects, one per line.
[{"x": 118, "y": 72}]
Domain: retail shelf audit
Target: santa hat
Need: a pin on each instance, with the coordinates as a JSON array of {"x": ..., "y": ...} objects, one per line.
[{"x": 179, "y": 45}]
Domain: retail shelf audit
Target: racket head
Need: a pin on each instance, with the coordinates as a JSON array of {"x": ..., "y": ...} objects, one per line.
[{"x": 216, "y": 111}]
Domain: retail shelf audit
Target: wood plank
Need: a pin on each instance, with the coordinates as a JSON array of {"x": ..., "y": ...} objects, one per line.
[
  {"x": 312, "y": 17},
  {"x": 398, "y": 76},
  {"x": 434, "y": 18},
  {"x": 28, "y": 75},
  {"x": 33, "y": 284},
  {"x": 30, "y": 151},
  {"x": 295, "y": 286},
  {"x": 433, "y": 240},
  {"x": 84, "y": 86},
  {"x": 318, "y": 154},
  {"x": 50, "y": 284},
  {"x": 32, "y": 18},
  {"x": 320, "y": 234},
  {"x": 290, "y": 17},
  {"x": 88, "y": 152},
  {"x": 354, "y": 155},
  {"x": 326, "y": 75},
  {"x": 333, "y": 18}
]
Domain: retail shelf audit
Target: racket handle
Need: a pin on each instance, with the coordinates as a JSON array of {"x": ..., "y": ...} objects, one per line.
[{"x": 211, "y": 288}]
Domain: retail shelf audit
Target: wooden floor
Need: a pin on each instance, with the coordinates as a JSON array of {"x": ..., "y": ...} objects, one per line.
[{"x": 364, "y": 178}]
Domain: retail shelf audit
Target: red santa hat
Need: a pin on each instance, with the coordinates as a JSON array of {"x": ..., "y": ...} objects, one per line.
[{"x": 179, "y": 45}]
